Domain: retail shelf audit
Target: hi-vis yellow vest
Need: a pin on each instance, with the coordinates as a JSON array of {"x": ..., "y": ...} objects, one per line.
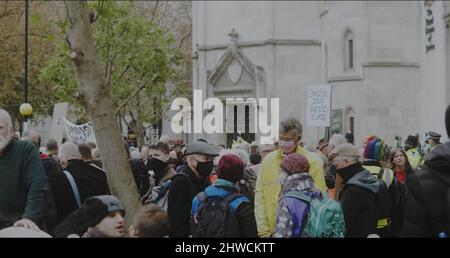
[{"x": 414, "y": 157}]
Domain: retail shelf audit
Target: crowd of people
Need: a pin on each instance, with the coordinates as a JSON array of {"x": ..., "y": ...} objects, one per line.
[{"x": 280, "y": 190}]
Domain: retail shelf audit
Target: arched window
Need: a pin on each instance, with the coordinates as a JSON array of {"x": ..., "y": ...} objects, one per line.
[{"x": 349, "y": 46}]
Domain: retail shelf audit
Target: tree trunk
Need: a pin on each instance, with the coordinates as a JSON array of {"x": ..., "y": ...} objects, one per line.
[{"x": 93, "y": 95}]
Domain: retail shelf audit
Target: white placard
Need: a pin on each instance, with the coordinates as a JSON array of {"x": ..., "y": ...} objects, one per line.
[
  {"x": 57, "y": 129},
  {"x": 318, "y": 105}
]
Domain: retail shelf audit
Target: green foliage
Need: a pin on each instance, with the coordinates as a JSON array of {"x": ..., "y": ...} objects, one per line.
[{"x": 132, "y": 50}]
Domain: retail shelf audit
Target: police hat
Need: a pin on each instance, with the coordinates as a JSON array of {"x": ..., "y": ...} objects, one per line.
[
  {"x": 433, "y": 135},
  {"x": 201, "y": 147}
]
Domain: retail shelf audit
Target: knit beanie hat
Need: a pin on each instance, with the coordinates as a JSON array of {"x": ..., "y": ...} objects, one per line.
[
  {"x": 98, "y": 207},
  {"x": 230, "y": 168},
  {"x": 295, "y": 163},
  {"x": 447, "y": 120},
  {"x": 373, "y": 148}
]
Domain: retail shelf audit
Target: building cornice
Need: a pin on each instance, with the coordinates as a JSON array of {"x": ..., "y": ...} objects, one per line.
[
  {"x": 282, "y": 42},
  {"x": 390, "y": 64}
]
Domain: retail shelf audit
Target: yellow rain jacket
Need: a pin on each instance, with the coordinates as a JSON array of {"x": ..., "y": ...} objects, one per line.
[{"x": 268, "y": 187}]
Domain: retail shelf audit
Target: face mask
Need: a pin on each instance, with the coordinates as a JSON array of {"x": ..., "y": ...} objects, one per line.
[
  {"x": 287, "y": 147},
  {"x": 157, "y": 165},
  {"x": 204, "y": 168}
]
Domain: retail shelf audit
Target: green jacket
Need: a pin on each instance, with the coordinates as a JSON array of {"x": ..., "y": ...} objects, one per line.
[{"x": 23, "y": 184}]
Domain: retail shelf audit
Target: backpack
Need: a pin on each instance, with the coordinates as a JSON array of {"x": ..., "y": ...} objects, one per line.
[
  {"x": 247, "y": 183},
  {"x": 325, "y": 217},
  {"x": 159, "y": 195},
  {"x": 215, "y": 217}
]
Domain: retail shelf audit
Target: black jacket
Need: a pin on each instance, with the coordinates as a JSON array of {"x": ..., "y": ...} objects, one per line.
[
  {"x": 359, "y": 202},
  {"x": 90, "y": 181},
  {"x": 184, "y": 189},
  {"x": 141, "y": 176},
  {"x": 428, "y": 196}
]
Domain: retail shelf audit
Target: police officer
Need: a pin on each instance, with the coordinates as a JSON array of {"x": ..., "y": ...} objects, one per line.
[
  {"x": 432, "y": 141},
  {"x": 414, "y": 156}
]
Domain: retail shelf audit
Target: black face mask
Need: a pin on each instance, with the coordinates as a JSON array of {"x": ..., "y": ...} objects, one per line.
[
  {"x": 157, "y": 166},
  {"x": 204, "y": 168},
  {"x": 348, "y": 172}
]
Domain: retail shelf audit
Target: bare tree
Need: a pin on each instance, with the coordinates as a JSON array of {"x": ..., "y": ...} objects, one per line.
[{"x": 93, "y": 95}]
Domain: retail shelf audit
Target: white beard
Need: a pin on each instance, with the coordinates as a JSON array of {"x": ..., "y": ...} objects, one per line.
[{"x": 4, "y": 141}]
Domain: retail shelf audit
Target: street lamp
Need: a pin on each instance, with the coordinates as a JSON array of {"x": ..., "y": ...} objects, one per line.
[{"x": 26, "y": 110}]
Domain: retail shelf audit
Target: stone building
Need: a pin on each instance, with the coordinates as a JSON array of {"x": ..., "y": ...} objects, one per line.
[{"x": 387, "y": 61}]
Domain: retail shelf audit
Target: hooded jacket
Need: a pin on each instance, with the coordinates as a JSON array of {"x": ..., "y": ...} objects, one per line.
[
  {"x": 359, "y": 202},
  {"x": 242, "y": 206},
  {"x": 429, "y": 196},
  {"x": 291, "y": 212}
]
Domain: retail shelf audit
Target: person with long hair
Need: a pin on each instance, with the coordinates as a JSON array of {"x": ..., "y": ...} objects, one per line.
[
  {"x": 402, "y": 170},
  {"x": 400, "y": 165}
]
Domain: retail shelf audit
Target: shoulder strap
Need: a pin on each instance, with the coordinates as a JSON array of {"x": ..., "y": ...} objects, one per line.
[
  {"x": 298, "y": 195},
  {"x": 448, "y": 211},
  {"x": 74, "y": 187},
  {"x": 381, "y": 173},
  {"x": 232, "y": 196}
]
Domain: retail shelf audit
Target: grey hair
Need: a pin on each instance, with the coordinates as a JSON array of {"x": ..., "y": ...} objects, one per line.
[
  {"x": 337, "y": 139},
  {"x": 69, "y": 151},
  {"x": 352, "y": 160},
  {"x": 291, "y": 124},
  {"x": 241, "y": 154},
  {"x": 5, "y": 115}
]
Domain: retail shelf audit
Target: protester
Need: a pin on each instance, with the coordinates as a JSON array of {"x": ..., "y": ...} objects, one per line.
[
  {"x": 295, "y": 212},
  {"x": 426, "y": 213},
  {"x": 150, "y": 222},
  {"x": 240, "y": 221},
  {"x": 99, "y": 217},
  {"x": 268, "y": 183},
  {"x": 199, "y": 157},
  {"x": 23, "y": 189},
  {"x": 400, "y": 165},
  {"x": 50, "y": 164},
  {"x": 360, "y": 192},
  {"x": 78, "y": 181},
  {"x": 373, "y": 156}
]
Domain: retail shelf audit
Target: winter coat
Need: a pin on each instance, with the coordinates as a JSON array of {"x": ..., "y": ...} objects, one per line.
[
  {"x": 268, "y": 187},
  {"x": 241, "y": 205},
  {"x": 291, "y": 213},
  {"x": 428, "y": 196},
  {"x": 359, "y": 203},
  {"x": 141, "y": 176},
  {"x": 90, "y": 181},
  {"x": 23, "y": 184},
  {"x": 184, "y": 189}
]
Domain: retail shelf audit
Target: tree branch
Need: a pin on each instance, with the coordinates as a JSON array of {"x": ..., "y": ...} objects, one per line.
[
  {"x": 142, "y": 86},
  {"x": 154, "y": 11},
  {"x": 183, "y": 38}
]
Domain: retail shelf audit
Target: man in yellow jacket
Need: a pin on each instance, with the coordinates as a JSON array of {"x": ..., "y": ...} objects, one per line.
[{"x": 268, "y": 184}]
